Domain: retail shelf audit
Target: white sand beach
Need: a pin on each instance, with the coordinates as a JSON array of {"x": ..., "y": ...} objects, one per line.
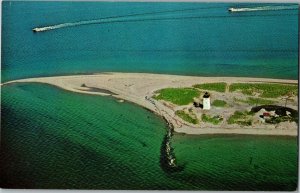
[{"x": 140, "y": 87}]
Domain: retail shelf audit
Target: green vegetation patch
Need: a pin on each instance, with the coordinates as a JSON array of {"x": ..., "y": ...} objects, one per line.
[
  {"x": 219, "y": 103},
  {"x": 219, "y": 86},
  {"x": 255, "y": 101},
  {"x": 266, "y": 90},
  {"x": 279, "y": 119},
  {"x": 241, "y": 118},
  {"x": 214, "y": 120},
  {"x": 187, "y": 117},
  {"x": 179, "y": 96}
]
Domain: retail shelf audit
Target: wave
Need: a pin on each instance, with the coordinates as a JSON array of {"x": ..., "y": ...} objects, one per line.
[{"x": 264, "y": 8}]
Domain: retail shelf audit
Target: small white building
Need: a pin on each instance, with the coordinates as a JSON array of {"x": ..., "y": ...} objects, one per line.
[{"x": 206, "y": 101}]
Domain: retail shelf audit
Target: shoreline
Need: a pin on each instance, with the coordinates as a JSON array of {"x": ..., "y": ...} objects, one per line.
[{"x": 138, "y": 88}]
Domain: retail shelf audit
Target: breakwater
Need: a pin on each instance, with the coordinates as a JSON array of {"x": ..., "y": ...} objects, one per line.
[{"x": 167, "y": 156}]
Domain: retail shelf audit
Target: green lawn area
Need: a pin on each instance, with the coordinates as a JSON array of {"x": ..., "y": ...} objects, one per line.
[
  {"x": 214, "y": 120},
  {"x": 219, "y": 103},
  {"x": 219, "y": 86},
  {"x": 255, "y": 101},
  {"x": 266, "y": 90},
  {"x": 178, "y": 96},
  {"x": 183, "y": 115},
  {"x": 241, "y": 118}
]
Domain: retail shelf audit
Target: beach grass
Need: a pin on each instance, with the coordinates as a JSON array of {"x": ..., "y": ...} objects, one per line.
[
  {"x": 214, "y": 120},
  {"x": 255, "y": 101},
  {"x": 187, "y": 117},
  {"x": 241, "y": 118},
  {"x": 178, "y": 96},
  {"x": 266, "y": 90},
  {"x": 219, "y": 103},
  {"x": 219, "y": 86}
]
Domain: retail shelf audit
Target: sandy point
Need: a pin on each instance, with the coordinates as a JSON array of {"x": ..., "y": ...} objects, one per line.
[{"x": 140, "y": 87}]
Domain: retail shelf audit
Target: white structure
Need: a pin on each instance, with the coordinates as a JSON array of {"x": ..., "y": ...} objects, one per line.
[{"x": 206, "y": 101}]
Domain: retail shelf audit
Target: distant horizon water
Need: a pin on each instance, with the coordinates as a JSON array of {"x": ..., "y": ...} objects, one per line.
[{"x": 199, "y": 39}]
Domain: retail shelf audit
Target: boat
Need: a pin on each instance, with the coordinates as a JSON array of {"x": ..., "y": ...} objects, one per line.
[
  {"x": 36, "y": 30},
  {"x": 41, "y": 29},
  {"x": 230, "y": 9},
  {"x": 238, "y": 9}
]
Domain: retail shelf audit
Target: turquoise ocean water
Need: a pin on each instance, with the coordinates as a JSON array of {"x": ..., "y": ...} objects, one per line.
[
  {"x": 52, "y": 138},
  {"x": 207, "y": 40}
]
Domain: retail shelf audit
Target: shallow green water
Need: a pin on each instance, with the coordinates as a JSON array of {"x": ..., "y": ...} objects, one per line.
[
  {"x": 238, "y": 162},
  {"x": 57, "y": 139}
]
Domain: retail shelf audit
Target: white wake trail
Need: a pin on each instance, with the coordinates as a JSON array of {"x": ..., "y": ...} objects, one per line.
[
  {"x": 41, "y": 29},
  {"x": 128, "y": 18},
  {"x": 264, "y": 8}
]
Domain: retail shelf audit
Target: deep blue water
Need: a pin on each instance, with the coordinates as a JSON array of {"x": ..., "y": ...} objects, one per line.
[{"x": 201, "y": 39}]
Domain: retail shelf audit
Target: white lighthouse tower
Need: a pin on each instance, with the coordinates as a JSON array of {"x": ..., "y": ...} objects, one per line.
[{"x": 206, "y": 101}]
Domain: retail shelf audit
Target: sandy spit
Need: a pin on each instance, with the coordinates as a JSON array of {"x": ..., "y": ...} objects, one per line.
[{"x": 139, "y": 87}]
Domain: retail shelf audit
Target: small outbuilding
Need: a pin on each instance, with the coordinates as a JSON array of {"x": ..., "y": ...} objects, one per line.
[{"x": 206, "y": 101}]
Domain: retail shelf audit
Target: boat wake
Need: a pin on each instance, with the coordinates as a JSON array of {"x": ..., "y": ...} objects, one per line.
[
  {"x": 119, "y": 18},
  {"x": 264, "y": 8},
  {"x": 41, "y": 29},
  {"x": 157, "y": 16}
]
